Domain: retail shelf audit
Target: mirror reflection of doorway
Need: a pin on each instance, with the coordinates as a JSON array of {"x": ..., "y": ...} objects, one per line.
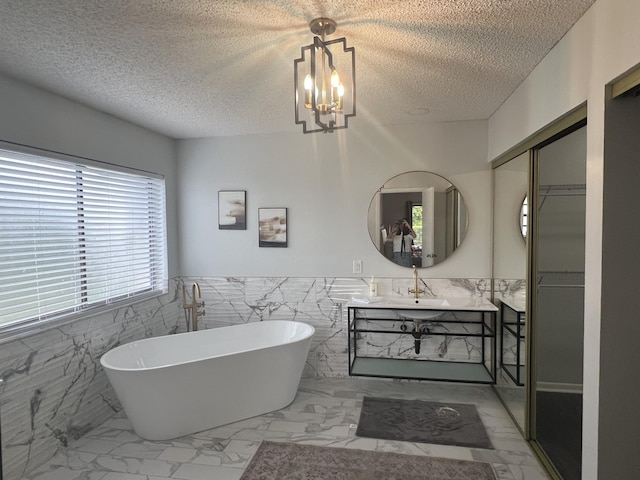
[{"x": 415, "y": 215}]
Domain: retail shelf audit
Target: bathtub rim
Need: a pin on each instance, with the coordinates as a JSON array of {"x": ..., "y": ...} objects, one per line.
[{"x": 107, "y": 366}]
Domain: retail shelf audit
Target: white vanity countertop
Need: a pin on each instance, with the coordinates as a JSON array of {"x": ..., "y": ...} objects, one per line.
[
  {"x": 516, "y": 304},
  {"x": 449, "y": 303}
]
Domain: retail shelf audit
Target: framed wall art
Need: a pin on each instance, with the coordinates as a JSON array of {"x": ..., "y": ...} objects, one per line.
[
  {"x": 272, "y": 227},
  {"x": 232, "y": 208}
]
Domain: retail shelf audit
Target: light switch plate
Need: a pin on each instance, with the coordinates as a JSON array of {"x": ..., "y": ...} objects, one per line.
[{"x": 357, "y": 266}]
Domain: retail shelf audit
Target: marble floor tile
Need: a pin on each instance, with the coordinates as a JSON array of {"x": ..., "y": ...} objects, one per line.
[
  {"x": 325, "y": 412},
  {"x": 177, "y": 454},
  {"x": 192, "y": 471}
]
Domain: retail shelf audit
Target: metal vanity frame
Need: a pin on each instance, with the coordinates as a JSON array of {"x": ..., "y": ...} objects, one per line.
[{"x": 484, "y": 327}]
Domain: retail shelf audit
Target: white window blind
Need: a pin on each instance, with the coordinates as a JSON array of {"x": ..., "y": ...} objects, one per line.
[{"x": 75, "y": 236}]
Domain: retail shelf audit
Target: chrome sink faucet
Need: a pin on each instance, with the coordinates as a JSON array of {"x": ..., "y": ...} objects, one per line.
[
  {"x": 192, "y": 310},
  {"x": 416, "y": 291}
]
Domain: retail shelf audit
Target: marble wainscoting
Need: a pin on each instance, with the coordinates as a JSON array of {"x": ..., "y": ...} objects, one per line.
[
  {"x": 54, "y": 388},
  {"x": 510, "y": 289},
  {"x": 322, "y": 302}
]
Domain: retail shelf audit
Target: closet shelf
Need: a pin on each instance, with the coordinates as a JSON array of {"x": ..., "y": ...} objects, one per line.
[
  {"x": 561, "y": 279},
  {"x": 562, "y": 190}
]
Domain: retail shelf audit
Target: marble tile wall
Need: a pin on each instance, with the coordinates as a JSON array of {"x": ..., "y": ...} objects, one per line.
[
  {"x": 54, "y": 388},
  {"x": 513, "y": 347},
  {"x": 321, "y": 302}
]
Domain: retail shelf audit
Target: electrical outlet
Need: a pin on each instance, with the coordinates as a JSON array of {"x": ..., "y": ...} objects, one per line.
[{"x": 357, "y": 266}]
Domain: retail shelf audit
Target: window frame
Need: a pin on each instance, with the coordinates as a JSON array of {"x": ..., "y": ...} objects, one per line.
[{"x": 158, "y": 281}]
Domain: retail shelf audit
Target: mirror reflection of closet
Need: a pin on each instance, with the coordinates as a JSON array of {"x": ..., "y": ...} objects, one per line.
[
  {"x": 557, "y": 330},
  {"x": 510, "y": 183}
]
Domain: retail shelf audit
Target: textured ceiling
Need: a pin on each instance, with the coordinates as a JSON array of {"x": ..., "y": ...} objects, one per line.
[{"x": 200, "y": 68}]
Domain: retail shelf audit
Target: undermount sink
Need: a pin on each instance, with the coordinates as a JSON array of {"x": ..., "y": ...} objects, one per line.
[
  {"x": 423, "y": 302},
  {"x": 420, "y": 302}
]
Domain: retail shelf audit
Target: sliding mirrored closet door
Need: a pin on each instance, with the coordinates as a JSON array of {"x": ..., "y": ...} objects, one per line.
[
  {"x": 557, "y": 304},
  {"x": 510, "y": 218},
  {"x": 539, "y": 213}
]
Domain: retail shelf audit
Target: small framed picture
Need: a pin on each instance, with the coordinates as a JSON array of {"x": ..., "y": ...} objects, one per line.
[
  {"x": 232, "y": 208},
  {"x": 272, "y": 227}
]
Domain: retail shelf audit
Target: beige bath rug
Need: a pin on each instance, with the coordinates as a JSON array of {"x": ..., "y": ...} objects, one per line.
[{"x": 290, "y": 461}]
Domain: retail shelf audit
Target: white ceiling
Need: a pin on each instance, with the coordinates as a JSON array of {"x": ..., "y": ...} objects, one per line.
[{"x": 201, "y": 68}]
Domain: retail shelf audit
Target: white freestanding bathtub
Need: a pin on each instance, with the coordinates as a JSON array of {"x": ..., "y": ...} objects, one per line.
[{"x": 180, "y": 384}]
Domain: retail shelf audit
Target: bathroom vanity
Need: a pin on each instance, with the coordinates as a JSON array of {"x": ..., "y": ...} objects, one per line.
[
  {"x": 512, "y": 339},
  {"x": 451, "y": 339}
]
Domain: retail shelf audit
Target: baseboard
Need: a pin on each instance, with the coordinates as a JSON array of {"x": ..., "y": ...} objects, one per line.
[{"x": 559, "y": 387}]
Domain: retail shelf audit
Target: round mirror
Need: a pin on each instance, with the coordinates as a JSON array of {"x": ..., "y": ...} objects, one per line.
[{"x": 417, "y": 219}]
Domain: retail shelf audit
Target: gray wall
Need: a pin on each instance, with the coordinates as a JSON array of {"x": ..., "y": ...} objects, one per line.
[
  {"x": 38, "y": 119},
  {"x": 327, "y": 183}
]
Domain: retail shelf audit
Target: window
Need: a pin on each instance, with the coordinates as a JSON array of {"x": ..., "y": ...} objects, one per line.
[
  {"x": 75, "y": 235},
  {"x": 416, "y": 222}
]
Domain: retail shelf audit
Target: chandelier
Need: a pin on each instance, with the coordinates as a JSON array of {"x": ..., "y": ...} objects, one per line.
[{"x": 325, "y": 97}]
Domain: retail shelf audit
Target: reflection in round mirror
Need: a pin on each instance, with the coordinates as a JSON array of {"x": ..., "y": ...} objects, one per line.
[
  {"x": 417, "y": 219},
  {"x": 524, "y": 217}
]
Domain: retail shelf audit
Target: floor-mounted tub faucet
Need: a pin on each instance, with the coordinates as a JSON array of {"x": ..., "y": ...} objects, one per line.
[
  {"x": 415, "y": 290},
  {"x": 192, "y": 310}
]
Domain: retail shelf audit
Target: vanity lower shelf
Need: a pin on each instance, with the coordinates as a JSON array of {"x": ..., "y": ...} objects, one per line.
[{"x": 421, "y": 369}]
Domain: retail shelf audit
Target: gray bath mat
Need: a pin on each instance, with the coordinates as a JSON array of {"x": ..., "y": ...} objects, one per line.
[
  {"x": 421, "y": 421},
  {"x": 291, "y": 461}
]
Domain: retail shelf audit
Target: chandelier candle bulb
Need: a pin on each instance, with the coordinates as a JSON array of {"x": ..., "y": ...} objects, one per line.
[
  {"x": 308, "y": 88},
  {"x": 335, "y": 86}
]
